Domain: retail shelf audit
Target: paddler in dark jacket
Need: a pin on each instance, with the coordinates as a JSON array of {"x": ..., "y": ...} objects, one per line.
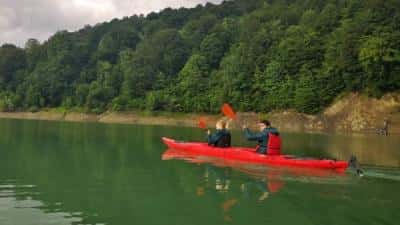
[
  {"x": 222, "y": 137},
  {"x": 262, "y": 136}
]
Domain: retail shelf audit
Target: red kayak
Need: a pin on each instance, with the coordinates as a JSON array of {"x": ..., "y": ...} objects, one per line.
[{"x": 251, "y": 156}]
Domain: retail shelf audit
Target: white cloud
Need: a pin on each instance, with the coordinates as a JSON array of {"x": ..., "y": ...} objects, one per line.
[
  {"x": 24, "y": 19},
  {"x": 6, "y": 15}
]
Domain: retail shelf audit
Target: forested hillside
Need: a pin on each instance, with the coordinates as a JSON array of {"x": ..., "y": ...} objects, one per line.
[{"x": 258, "y": 55}]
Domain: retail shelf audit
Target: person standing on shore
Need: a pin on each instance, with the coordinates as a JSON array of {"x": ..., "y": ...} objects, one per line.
[{"x": 385, "y": 129}]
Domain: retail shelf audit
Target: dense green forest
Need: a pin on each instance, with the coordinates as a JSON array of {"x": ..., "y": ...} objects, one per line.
[{"x": 258, "y": 55}]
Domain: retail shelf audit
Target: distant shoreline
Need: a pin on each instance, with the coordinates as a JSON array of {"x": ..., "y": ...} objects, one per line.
[
  {"x": 158, "y": 118},
  {"x": 287, "y": 121}
]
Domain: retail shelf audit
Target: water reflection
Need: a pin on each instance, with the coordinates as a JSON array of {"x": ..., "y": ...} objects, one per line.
[
  {"x": 219, "y": 179},
  {"x": 72, "y": 173},
  {"x": 273, "y": 174},
  {"x": 259, "y": 184},
  {"x": 370, "y": 149},
  {"x": 19, "y": 204}
]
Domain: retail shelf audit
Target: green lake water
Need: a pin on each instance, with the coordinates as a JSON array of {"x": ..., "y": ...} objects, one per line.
[{"x": 88, "y": 173}]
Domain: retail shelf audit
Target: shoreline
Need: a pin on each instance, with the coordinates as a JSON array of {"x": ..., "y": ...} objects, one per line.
[
  {"x": 353, "y": 113},
  {"x": 286, "y": 121},
  {"x": 157, "y": 118}
]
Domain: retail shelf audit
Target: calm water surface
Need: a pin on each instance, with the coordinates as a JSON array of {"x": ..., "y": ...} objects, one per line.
[{"x": 84, "y": 173}]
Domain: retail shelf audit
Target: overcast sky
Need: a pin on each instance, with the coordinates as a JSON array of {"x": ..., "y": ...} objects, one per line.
[{"x": 23, "y": 19}]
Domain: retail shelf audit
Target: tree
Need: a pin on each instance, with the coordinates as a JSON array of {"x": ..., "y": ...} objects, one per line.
[
  {"x": 34, "y": 53},
  {"x": 234, "y": 78},
  {"x": 257, "y": 55},
  {"x": 300, "y": 46},
  {"x": 12, "y": 59},
  {"x": 267, "y": 85},
  {"x": 214, "y": 47},
  {"x": 193, "y": 79},
  {"x": 341, "y": 57},
  {"x": 306, "y": 96},
  {"x": 98, "y": 97},
  {"x": 378, "y": 54},
  {"x": 195, "y": 30},
  {"x": 113, "y": 42}
]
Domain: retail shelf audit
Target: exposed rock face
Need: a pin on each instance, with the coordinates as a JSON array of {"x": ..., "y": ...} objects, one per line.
[
  {"x": 360, "y": 113},
  {"x": 352, "y": 113}
]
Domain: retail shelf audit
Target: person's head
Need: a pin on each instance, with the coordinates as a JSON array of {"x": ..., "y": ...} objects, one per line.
[
  {"x": 262, "y": 124},
  {"x": 221, "y": 124}
]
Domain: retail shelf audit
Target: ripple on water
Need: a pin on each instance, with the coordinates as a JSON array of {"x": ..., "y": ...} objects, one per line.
[{"x": 18, "y": 206}]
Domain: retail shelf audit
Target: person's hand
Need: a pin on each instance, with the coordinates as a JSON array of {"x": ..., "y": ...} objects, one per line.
[{"x": 208, "y": 132}]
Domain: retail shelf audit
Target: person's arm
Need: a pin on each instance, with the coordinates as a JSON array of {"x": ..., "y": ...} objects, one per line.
[
  {"x": 253, "y": 136},
  {"x": 209, "y": 136},
  {"x": 213, "y": 138}
]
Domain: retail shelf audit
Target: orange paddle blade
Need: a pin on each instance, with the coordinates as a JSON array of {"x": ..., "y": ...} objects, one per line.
[
  {"x": 228, "y": 111},
  {"x": 202, "y": 123}
]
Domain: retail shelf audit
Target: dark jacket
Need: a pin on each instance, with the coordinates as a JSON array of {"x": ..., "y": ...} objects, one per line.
[
  {"x": 261, "y": 137},
  {"x": 221, "y": 138}
]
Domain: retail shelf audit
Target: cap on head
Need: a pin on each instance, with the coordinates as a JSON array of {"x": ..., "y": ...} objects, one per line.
[{"x": 265, "y": 122}]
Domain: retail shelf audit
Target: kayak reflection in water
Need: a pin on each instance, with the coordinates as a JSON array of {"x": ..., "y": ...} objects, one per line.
[
  {"x": 266, "y": 181},
  {"x": 260, "y": 188},
  {"x": 269, "y": 141},
  {"x": 260, "y": 185},
  {"x": 221, "y": 175},
  {"x": 222, "y": 137},
  {"x": 270, "y": 184},
  {"x": 222, "y": 185}
]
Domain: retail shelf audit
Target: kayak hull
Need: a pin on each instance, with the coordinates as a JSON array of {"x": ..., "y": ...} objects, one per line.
[{"x": 251, "y": 156}]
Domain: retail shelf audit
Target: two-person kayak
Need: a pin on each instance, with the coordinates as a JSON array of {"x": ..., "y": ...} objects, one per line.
[{"x": 251, "y": 156}]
